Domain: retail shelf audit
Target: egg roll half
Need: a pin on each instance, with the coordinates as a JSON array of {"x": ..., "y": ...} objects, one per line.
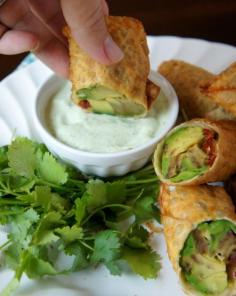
[
  {"x": 187, "y": 80},
  {"x": 200, "y": 231},
  {"x": 222, "y": 89},
  {"x": 197, "y": 152},
  {"x": 119, "y": 89}
]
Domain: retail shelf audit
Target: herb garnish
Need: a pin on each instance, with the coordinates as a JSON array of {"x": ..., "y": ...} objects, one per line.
[{"x": 52, "y": 208}]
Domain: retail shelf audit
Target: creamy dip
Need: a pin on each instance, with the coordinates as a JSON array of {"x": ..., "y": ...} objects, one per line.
[{"x": 100, "y": 132}]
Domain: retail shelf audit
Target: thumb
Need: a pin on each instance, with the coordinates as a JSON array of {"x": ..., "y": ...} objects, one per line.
[{"x": 88, "y": 27}]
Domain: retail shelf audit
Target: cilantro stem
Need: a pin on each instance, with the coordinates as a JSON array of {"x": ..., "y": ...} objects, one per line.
[
  {"x": 76, "y": 181},
  {"x": 142, "y": 181},
  {"x": 5, "y": 245},
  {"x": 86, "y": 245},
  {"x": 59, "y": 187},
  {"x": 104, "y": 207},
  {"x": 11, "y": 202},
  {"x": 3, "y": 186},
  {"x": 10, "y": 212}
]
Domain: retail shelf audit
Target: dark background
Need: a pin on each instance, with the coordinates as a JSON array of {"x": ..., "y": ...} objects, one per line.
[{"x": 213, "y": 20}]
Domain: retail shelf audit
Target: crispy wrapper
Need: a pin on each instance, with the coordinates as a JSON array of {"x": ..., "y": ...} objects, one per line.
[
  {"x": 225, "y": 161},
  {"x": 183, "y": 208},
  {"x": 222, "y": 89},
  {"x": 187, "y": 80},
  {"x": 129, "y": 76}
]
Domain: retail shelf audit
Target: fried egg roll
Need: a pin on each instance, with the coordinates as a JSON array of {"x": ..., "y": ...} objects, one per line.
[
  {"x": 119, "y": 89},
  {"x": 222, "y": 89},
  {"x": 197, "y": 152},
  {"x": 200, "y": 231},
  {"x": 187, "y": 80}
]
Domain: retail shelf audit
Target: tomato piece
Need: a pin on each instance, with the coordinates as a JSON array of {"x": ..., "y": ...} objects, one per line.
[
  {"x": 84, "y": 104},
  {"x": 209, "y": 146}
]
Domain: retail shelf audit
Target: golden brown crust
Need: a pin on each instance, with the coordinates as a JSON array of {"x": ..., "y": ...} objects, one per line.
[
  {"x": 225, "y": 162},
  {"x": 187, "y": 80},
  {"x": 152, "y": 92},
  {"x": 183, "y": 208},
  {"x": 222, "y": 89},
  {"x": 129, "y": 76}
]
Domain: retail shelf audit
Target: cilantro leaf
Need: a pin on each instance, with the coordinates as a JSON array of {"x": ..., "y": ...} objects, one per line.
[
  {"x": 51, "y": 170},
  {"x": 100, "y": 193},
  {"x": 114, "y": 267},
  {"x": 70, "y": 234},
  {"x": 80, "y": 254},
  {"x": 36, "y": 267},
  {"x": 95, "y": 194},
  {"x": 80, "y": 209},
  {"x": 143, "y": 262},
  {"x": 20, "y": 227},
  {"x": 144, "y": 209},
  {"x": 3, "y": 157},
  {"x": 106, "y": 246},
  {"x": 44, "y": 233},
  {"x": 12, "y": 255},
  {"x": 42, "y": 197},
  {"x": 137, "y": 237},
  {"x": 22, "y": 157}
]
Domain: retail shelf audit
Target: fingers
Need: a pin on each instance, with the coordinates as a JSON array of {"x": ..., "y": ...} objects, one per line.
[
  {"x": 14, "y": 42},
  {"x": 3, "y": 29},
  {"x": 105, "y": 7},
  {"x": 50, "y": 14},
  {"x": 55, "y": 55},
  {"x": 86, "y": 20}
]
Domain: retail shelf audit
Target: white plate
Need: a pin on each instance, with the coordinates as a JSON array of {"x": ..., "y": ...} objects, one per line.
[{"x": 17, "y": 93}]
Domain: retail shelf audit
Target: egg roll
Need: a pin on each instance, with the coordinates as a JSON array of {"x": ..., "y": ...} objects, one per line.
[
  {"x": 188, "y": 81},
  {"x": 222, "y": 89},
  {"x": 197, "y": 152},
  {"x": 200, "y": 231},
  {"x": 119, "y": 89}
]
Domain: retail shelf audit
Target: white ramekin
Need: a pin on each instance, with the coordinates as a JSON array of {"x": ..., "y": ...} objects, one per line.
[{"x": 102, "y": 164}]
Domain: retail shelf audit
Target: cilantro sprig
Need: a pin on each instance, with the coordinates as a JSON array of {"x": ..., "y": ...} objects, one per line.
[{"x": 50, "y": 208}]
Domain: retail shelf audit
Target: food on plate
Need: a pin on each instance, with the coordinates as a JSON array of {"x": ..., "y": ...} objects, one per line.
[
  {"x": 222, "y": 89},
  {"x": 51, "y": 210},
  {"x": 196, "y": 152},
  {"x": 102, "y": 133},
  {"x": 187, "y": 79},
  {"x": 119, "y": 89},
  {"x": 200, "y": 231}
]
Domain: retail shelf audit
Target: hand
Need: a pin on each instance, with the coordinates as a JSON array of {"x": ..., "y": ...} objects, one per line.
[{"x": 36, "y": 25}]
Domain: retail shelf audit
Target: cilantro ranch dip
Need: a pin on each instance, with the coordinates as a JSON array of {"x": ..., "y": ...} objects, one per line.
[{"x": 100, "y": 132}]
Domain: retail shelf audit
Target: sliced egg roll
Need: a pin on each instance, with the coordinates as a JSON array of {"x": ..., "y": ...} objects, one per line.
[
  {"x": 119, "y": 89},
  {"x": 197, "y": 152},
  {"x": 200, "y": 231},
  {"x": 222, "y": 89},
  {"x": 187, "y": 80}
]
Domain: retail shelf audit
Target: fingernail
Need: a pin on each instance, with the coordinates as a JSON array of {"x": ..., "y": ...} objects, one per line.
[{"x": 113, "y": 52}]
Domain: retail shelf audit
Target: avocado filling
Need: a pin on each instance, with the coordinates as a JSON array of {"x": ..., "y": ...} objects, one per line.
[
  {"x": 208, "y": 258},
  {"x": 100, "y": 99},
  {"x": 187, "y": 153}
]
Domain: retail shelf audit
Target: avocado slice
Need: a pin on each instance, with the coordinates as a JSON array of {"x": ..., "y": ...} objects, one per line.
[
  {"x": 97, "y": 92},
  {"x": 182, "y": 158},
  {"x": 101, "y": 107},
  {"x": 205, "y": 257},
  {"x": 126, "y": 107},
  {"x": 107, "y": 101},
  {"x": 182, "y": 139},
  {"x": 207, "y": 275}
]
